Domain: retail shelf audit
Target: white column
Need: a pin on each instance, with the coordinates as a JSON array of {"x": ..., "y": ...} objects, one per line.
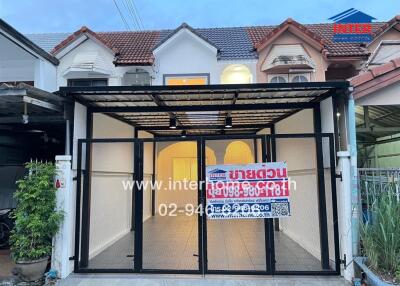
[
  {"x": 345, "y": 214},
  {"x": 62, "y": 241}
]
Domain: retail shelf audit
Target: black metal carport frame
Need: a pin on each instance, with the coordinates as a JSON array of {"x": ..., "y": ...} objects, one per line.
[{"x": 331, "y": 89}]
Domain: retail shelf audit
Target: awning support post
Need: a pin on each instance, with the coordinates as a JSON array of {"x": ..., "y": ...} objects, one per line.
[{"x": 323, "y": 225}]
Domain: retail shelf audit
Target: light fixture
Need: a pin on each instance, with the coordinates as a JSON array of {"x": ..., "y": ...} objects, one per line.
[
  {"x": 172, "y": 122},
  {"x": 183, "y": 134},
  {"x": 25, "y": 116},
  {"x": 337, "y": 114},
  {"x": 228, "y": 122}
]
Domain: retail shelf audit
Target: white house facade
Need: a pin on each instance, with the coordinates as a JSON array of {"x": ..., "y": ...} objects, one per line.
[{"x": 161, "y": 105}]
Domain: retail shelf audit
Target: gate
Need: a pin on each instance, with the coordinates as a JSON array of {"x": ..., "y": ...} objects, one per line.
[{"x": 142, "y": 229}]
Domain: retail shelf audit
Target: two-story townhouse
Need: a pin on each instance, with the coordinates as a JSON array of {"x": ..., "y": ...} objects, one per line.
[{"x": 297, "y": 60}]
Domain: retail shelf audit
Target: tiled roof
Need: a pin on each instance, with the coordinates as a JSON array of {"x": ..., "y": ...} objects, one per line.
[
  {"x": 325, "y": 31},
  {"x": 375, "y": 72},
  {"x": 288, "y": 24},
  {"x": 185, "y": 26},
  {"x": 47, "y": 41},
  {"x": 376, "y": 78},
  {"x": 77, "y": 34},
  {"x": 233, "y": 43},
  {"x": 135, "y": 48}
]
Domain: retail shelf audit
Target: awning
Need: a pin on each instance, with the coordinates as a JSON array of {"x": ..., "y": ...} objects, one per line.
[
  {"x": 203, "y": 109},
  {"x": 288, "y": 56},
  {"x": 37, "y": 104},
  {"x": 86, "y": 62}
]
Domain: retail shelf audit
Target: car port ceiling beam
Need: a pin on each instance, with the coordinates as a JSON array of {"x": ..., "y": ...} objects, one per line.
[
  {"x": 194, "y": 127},
  {"x": 212, "y": 107}
]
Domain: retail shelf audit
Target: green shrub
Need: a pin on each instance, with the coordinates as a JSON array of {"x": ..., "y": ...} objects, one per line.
[
  {"x": 381, "y": 235},
  {"x": 36, "y": 218}
]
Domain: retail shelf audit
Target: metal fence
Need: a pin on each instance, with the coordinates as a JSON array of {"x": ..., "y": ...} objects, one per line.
[
  {"x": 9, "y": 174},
  {"x": 374, "y": 181}
]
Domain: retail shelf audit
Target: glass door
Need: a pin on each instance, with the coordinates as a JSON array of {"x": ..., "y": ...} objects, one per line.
[
  {"x": 233, "y": 245},
  {"x": 170, "y": 206}
]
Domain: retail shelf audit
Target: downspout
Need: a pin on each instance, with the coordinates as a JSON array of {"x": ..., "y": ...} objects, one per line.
[{"x": 353, "y": 173}]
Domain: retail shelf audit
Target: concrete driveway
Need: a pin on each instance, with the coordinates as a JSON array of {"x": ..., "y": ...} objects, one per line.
[{"x": 181, "y": 280}]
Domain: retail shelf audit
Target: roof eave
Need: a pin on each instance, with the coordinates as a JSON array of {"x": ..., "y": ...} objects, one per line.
[{"x": 24, "y": 40}]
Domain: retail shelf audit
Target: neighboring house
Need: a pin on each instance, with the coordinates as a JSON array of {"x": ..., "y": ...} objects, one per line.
[
  {"x": 23, "y": 61},
  {"x": 28, "y": 76},
  {"x": 376, "y": 92}
]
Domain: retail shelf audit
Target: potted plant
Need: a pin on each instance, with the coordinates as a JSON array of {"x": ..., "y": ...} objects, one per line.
[
  {"x": 380, "y": 237},
  {"x": 36, "y": 220}
]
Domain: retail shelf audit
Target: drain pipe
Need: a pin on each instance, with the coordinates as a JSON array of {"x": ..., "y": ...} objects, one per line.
[
  {"x": 348, "y": 197},
  {"x": 355, "y": 218},
  {"x": 345, "y": 215}
]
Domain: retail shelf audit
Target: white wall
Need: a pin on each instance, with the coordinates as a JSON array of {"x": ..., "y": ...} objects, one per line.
[
  {"x": 17, "y": 64},
  {"x": 89, "y": 46},
  {"x": 45, "y": 75},
  {"x": 300, "y": 155},
  {"x": 111, "y": 205},
  {"x": 185, "y": 53},
  {"x": 147, "y": 173}
]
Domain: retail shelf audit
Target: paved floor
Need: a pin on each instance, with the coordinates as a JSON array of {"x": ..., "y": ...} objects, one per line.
[
  {"x": 173, "y": 280},
  {"x": 172, "y": 242},
  {"x": 6, "y": 264}
]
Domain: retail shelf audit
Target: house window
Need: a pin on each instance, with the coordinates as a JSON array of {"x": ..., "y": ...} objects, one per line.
[
  {"x": 235, "y": 74},
  {"x": 184, "y": 169},
  {"x": 87, "y": 82},
  {"x": 138, "y": 77},
  {"x": 187, "y": 79},
  {"x": 300, "y": 77},
  {"x": 277, "y": 79}
]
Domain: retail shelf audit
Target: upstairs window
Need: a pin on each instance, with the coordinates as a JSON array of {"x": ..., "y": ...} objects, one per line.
[
  {"x": 277, "y": 79},
  {"x": 300, "y": 78},
  {"x": 186, "y": 79},
  {"x": 138, "y": 77},
  {"x": 87, "y": 82}
]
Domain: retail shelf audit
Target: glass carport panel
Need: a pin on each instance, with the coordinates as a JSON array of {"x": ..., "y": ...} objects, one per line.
[
  {"x": 234, "y": 244},
  {"x": 170, "y": 229},
  {"x": 297, "y": 238},
  {"x": 111, "y": 238}
]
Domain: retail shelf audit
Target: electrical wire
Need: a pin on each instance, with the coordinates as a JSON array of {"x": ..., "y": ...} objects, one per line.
[
  {"x": 122, "y": 16},
  {"x": 138, "y": 14}
]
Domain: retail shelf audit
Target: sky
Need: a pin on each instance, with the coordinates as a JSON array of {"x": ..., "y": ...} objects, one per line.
[{"x": 40, "y": 16}]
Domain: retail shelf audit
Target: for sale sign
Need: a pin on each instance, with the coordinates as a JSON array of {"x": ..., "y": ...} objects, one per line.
[{"x": 258, "y": 190}]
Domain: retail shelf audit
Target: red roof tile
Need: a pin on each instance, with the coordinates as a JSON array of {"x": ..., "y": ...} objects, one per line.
[
  {"x": 325, "y": 32},
  {"x": 376, "y": 79},
  {"x": 76, "y": 35},
  {"x": 392, "y": 22},
  {"x": 135, "y": 48},
  {"x": 287, "y": 24},
  {"x": 375, "y": 72}
]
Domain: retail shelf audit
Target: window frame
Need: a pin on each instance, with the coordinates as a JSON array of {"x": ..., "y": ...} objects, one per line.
[
  {"x": 70, "y": 80},
  {"x": 187, "y": 75},
  {"x": 306, "y": 75},
  {"x": 282, "y": 75}
]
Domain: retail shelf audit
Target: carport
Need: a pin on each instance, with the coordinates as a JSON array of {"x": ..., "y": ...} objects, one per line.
[{"x": 276, "y": 122}]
